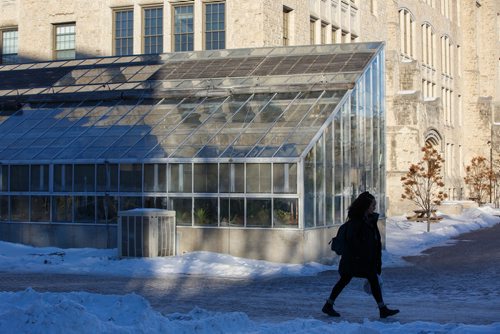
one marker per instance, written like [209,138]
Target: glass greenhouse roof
[226,104]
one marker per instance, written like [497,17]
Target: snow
[30,311]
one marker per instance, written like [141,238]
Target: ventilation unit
[146,233]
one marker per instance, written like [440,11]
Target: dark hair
[360,205]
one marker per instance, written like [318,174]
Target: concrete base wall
[276,245]
[59,235]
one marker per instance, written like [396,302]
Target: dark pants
[345,279]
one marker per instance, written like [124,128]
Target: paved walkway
[457,284]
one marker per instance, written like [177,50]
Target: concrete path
[452,284]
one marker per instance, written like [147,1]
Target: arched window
[407,33]
[428,45]
[433,137]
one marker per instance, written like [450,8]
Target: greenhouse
[258,151]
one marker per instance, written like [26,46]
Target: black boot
[387,312]
[328,309]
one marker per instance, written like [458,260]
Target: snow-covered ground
[79,312]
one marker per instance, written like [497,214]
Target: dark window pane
[19,177]
[258,212]
[63,177]
[285,213]
[130,177]
[107,177]
[40,209]
[183,209]
[232,211]
[205,178]
[62,208]
[205,211]
[107,209]
[84,209]
[39,177]
[155,177]
[4,208]
[84,178]
[20,208]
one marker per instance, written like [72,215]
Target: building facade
[442,56]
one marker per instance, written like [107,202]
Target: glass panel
[285,178]
[10,43]
[63,177]
[205,178]
[236,123]
[258,178]
[258,213]
[155,177]
[179,178]
[309,173]
[205,211]
[84,209]
[39,177]
[62,208]
[153,30]
[107,177]
[183,28]
[130,177]
[232,178]
[215,37]
[4,208]
[124,26]
[130,202]
[107,209]
[213,125]
[285,212]
[20,208]
[320,183]
[329,175]
[84,178]
[183,210]
[338,168]
[4,177]
[19,177]
[232,212]
[65,41]
[156,202]
[259,126]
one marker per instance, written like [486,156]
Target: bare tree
[423,181]
[479,177]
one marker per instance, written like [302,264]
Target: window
[183,28]
[286,26]
[9,43]
[65,41]
[215,26]
[407,33]
[446,96]
[428,45]
[373,7]
[334,35]
[428,89]
[124,31]
[153,30]
[312,31]
[324,25]
[445,8]
[446,55]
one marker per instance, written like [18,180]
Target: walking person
[362,256]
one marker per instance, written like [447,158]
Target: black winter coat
[363,252]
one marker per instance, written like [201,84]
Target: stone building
[442,56]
